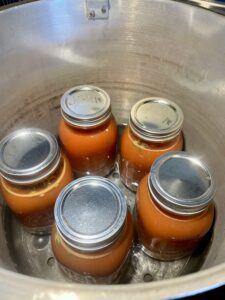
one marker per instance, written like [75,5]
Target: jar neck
[82,126]
[94,251]
[134,136]
[52,176]
[174,214]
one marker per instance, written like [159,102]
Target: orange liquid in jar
[101,263]
[137,156]
[33,204]
[165,235]
[90,151]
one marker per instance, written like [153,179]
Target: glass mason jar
[93,232]
[174,206]
[154,129]
[88,130]
[33,172]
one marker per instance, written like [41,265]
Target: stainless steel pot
[145,48]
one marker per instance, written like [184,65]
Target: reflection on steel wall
[215,6]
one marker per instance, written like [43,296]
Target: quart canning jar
[33,172]
[93,232]
[88,130]
[174,206]
[154,129]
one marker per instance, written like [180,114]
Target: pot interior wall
[146,48]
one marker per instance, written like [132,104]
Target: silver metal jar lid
[156,119]
[181,183]
[85,106]
[90,213]
[28,155]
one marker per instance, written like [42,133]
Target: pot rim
[186,285]
[18,286]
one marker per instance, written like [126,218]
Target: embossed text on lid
[181,183]
[85,106]
[28,155]
[90,212]
[156,119]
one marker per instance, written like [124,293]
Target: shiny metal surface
[85,106]
[90,213]
[49,46]
[33,254]
[156,119]
[28,155]
[214,6]
[180,183]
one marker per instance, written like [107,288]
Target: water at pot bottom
[33,255]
